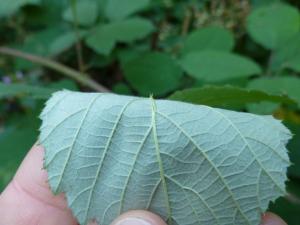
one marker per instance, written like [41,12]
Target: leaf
[8,7]
[217,66]
[105,36]
[65,41]
[213,38]
[19,90]
[87,13]
[190,164]
[64,84]
[122,89]
[49,13]
[272,25]
[288,55]
[227,96]
[120,9]
[38,43]
[280,85]
[153,73]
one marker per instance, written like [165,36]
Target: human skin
[28,200]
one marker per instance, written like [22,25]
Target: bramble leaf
[105,36]
[153,73]
[120,9]
[191,164]
[287,55]
[87,13]
[227,96]
[19,90]
[7,7]
[217,66]
[287,85]
[267,29]
[213,38]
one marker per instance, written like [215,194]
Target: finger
[272,219]
[28,200]
[138,217]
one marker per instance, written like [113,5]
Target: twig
[69,72]
[186,22]
[78,42]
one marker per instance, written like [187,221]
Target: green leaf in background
[64,84]
[153,73]
[272,25]
[65,41]
[105,36]
[214,38]
[288,55]
[16,138]
[87,13]
[48,13]
[38,43]
[8,7]
[278,85]
[21,90]
[120,9]
[190,164]
[226,96]
[122,89]
[214,66]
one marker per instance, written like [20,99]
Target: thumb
[272,219]
[28,200]
[138,217]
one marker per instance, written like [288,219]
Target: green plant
[241,55]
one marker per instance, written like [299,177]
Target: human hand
[27,200]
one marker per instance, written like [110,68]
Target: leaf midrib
[160,164]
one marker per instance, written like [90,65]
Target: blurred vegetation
[236,54]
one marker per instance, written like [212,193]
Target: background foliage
[239,54]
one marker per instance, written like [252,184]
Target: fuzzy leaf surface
[191,164]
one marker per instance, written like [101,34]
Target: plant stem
[78,42]
[67,71]
[186,22]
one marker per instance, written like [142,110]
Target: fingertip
[272,219]
[139,217]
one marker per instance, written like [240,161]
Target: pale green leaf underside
[191,164]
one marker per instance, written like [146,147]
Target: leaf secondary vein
[252,152]
[74,140]
[89,200]
[152,194]
[132,168]
[210,162]
[199,196]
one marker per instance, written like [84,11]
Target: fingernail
[272,219]
[93,223]
[133,221]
